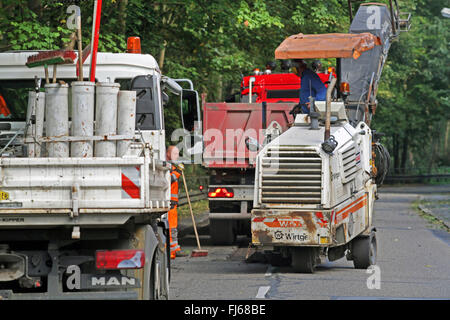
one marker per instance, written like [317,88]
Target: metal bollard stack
[115,114]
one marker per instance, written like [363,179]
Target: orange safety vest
[175,174]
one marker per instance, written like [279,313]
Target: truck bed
[83,185]
[227,125]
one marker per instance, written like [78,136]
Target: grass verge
[420,206]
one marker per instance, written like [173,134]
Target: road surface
[413,261]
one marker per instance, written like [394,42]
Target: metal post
[83,96]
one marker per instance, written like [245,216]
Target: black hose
[382,162]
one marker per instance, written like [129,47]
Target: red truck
[229,131]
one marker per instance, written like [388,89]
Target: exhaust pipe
[328,109]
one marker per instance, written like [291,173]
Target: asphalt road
[413,260]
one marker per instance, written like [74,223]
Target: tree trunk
[396,153]
[35,6]
[123,16]
[404,153]
[162,55]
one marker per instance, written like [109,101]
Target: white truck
[91,226]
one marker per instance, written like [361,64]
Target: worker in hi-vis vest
[175,173]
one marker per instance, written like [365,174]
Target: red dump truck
[230,129]
[227,130]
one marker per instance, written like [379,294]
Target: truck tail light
[220,193]
[133,45]
[120,259]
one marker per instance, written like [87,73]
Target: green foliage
[214,42]
[414,92]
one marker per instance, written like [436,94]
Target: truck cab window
[14,99]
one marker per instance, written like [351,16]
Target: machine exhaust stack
[328,109]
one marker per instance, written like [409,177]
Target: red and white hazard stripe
[131,183]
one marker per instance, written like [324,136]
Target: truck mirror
[252,144]
[172,85]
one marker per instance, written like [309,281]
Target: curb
[429,212]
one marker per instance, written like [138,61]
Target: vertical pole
[190,209]
[264,115]
[350,13]
[95,34]
[328,109]
[80,49]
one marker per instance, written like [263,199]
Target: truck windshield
[14,99]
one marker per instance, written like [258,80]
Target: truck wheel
[364,251]
[303,260]
[159,277]
[222,232]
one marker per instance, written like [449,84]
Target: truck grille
[291,175]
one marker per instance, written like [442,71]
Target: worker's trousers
[173,224]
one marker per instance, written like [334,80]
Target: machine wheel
[159,277]
[303,259]
[222,232]
[364,251]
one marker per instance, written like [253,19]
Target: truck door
[191,118]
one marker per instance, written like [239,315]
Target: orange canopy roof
[329,45]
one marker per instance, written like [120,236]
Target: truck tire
[364,251]
[159,277]
[222,232]
[303,259]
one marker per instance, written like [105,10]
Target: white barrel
[83,99]
[36,108]
[126,118]
[106,117]
[57,118]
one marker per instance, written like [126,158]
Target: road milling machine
[316,183]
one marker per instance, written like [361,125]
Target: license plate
[4,195]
